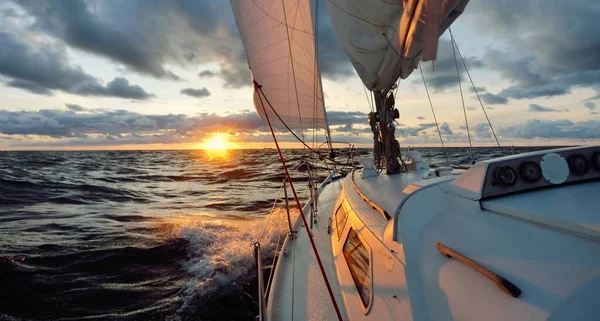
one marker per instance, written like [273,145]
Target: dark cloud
[29,86]
[545,58]
[441,75]
[43,69]
[589,105]
[78,125]
[118,87]
[543,109]
[482,130]
[127,43]
[148,35]
[347,117]
[406,131]
[553,129]
[74,107]
[206,73]
[333,62]
[479,89]
[198,93]
[492,99]
[445,129]
[420,117]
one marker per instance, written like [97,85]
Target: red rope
[310,237]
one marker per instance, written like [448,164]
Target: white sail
[279,41]
[386,39]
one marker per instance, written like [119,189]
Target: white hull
[546,242]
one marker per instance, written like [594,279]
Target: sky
[153,74]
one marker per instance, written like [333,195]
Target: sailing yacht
[511,238]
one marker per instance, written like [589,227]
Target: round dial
[506,176]
[579,164]
[530,172]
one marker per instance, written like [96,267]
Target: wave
[221,264]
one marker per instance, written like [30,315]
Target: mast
[383,119]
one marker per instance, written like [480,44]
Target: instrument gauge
[530,172]
[505,176]
[579,164]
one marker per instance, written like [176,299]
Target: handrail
[366,199]
[502,283]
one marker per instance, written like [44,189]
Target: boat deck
[298,289]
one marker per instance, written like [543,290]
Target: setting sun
[216,142]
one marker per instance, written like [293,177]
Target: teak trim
[502,283]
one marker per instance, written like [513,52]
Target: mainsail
[279,41]
[386,39]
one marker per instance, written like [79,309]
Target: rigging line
[434,117]
[316,79]
[462,99]
[271,213]
[291,131]
[287,30]
[306,228]
[474,89]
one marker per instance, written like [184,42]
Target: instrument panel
[541,170]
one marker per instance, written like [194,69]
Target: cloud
[482,130]
[405,131]
[198,93]
[77,125]
[109,35]
[206,73]
[346,117]
[74,107]
[479,89]
[543,58]
[77,121]
[445,129]
[589,105]
[420,117]
[441,75]
[492,99]
[45,68]
[539,108]
[163,33]
[553,129]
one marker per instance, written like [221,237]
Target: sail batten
[279,40]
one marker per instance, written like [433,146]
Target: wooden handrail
[502,283]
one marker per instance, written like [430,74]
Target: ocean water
[145,235]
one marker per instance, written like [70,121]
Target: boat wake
[220,263]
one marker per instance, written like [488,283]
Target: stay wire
[292,132]
[272,211]
[434,117]
[462,97]
[474,88]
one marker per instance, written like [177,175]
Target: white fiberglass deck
[299,292]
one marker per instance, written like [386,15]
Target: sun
[216,142]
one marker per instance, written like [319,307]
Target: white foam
[221,250]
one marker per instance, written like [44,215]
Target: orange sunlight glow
[216,142]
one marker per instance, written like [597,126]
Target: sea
[149,235]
